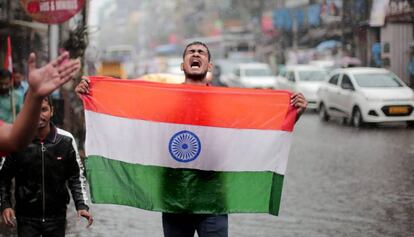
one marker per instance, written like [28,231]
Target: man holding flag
[181,217]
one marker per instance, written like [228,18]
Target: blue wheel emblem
[184,146]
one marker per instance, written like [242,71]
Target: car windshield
[377,80]
[312,75]
[257,72]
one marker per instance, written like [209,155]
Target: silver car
[305,79]
[252,75]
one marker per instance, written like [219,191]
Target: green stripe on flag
[182,190]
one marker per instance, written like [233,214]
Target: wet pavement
[340,181]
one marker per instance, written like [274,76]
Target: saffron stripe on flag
[195,105]
[162,189]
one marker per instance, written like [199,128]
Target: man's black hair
[197,43]
[4,73]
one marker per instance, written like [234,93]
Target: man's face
[196,63]
[4,85]
[45,114]
[18,78]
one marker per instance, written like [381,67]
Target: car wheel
[410,124]
[344,121]
[323,114]
[357,120]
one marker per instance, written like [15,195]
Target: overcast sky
[93,10]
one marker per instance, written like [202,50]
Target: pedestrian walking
[43,172]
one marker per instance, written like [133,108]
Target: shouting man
[196,64]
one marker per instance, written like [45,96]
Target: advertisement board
[52,11]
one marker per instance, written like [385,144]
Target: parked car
[327,64]
[251,75]
[303,78]
[366,95]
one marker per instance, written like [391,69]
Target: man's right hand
[9,217]
[45,80]
[83,87]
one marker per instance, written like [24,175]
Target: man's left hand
[299,101]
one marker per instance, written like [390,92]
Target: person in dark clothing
[43,172]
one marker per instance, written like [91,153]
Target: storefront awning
[30,24]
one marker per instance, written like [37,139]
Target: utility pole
[53,31]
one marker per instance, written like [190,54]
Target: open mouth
[195,64]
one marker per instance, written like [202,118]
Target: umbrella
[328,44]
[168,49]
[350,61]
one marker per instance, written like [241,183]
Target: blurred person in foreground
[10,100]
[42,81]
[19,81]
[196,65]
[43,172]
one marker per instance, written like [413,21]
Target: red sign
[52,11]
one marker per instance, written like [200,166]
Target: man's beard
[195,76]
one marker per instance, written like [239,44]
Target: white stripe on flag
[222,149]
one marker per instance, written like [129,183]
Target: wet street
[340,181]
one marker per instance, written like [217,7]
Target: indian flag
[8,63]
[185,148]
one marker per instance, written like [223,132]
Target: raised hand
[50,77]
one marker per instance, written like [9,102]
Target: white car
[366,95]
[305,79]
[251,75]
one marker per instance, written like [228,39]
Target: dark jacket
[43,172]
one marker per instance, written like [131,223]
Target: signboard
[378,13]
[398,8]
[296,3]
[52,11]
[401,11]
